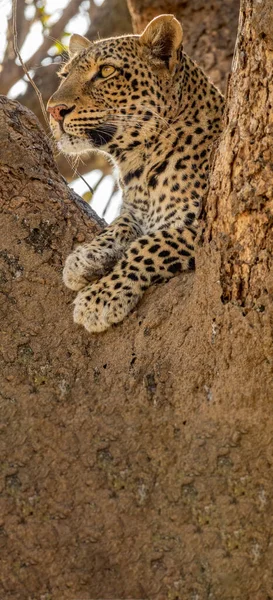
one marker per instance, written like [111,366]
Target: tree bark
[240,205]
[138,463]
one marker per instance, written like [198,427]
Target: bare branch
[23,26]
[11,72]
[24,67]
[36,89]
[54,33]
[109,19]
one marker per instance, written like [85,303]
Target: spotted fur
[145,103]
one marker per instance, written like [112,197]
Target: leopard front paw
[85,264]
[100,305]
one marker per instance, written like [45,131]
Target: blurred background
[43,30]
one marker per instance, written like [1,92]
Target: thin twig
[114,191]
[37,91]
[17,52]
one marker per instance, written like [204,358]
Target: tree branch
[11,72]
[110,19]
[55,33]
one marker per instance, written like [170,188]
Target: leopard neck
[190,87]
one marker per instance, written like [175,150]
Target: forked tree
[138,463]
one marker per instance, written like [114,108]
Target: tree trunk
[138,463]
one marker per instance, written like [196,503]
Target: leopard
[153,112]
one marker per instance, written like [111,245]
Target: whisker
[139,117]
[56,41]
[147,126]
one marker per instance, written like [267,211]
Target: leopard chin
[96,138]
[69,144]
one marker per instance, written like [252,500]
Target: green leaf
[87,196]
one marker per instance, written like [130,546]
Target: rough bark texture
[138,463]
[240,207]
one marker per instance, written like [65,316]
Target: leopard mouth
[93,138]
[101,135]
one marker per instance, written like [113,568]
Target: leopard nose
[58,112]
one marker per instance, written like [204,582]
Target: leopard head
[115,93]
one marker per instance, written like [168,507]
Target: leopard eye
[107,70]
[63,74]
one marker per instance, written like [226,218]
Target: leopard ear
[77,43]
[161,40]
